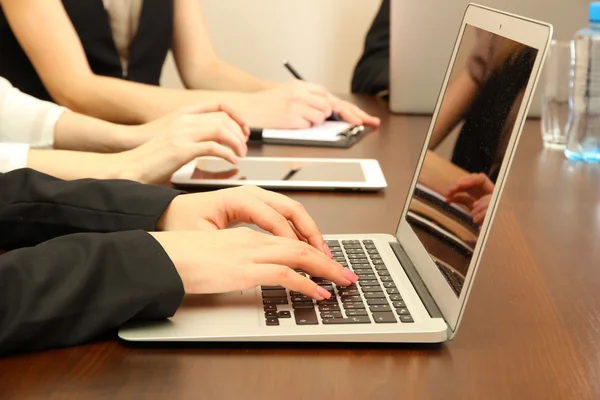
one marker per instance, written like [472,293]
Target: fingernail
[327,251]
[351,276]
[323,293]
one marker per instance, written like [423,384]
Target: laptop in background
[422,33]
[414,285]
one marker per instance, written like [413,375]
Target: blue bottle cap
[595,11]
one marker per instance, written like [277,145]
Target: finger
[233,131]
[280,275]
[299,255]
[312,115]
[476,184]
[364,117]
[237,119]
[349,115]
[478,216]
[211,149]
[462,198]
[294,212]
[298,234]
[251,209]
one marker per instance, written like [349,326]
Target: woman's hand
[173,141]
[298,105]
[240,259]
[220,209]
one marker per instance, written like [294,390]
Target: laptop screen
[467,147]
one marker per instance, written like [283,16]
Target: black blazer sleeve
[372,73]
[74,288]
[35,207]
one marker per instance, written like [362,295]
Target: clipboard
[329,134]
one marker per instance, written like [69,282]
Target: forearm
[74,131]
[35,207]
[71,165]
[125,102]
[70,290]
[219,75]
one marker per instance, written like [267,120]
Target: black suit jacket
[79,262]
[372,73]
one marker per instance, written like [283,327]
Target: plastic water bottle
[583,131]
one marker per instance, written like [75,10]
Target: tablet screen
[279,170]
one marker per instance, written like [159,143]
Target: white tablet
[283,173]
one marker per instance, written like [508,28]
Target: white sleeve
[25,119]
[13,156]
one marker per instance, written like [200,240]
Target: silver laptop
[418,55]
[413,285]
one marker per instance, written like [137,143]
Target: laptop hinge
[417,282]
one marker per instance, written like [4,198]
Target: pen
[334,116]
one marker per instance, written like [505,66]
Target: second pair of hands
[211,257]
[163,146]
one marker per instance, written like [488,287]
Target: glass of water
[555,95]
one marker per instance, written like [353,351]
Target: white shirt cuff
[13,156]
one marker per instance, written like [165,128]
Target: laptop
[413,286]
[418,56]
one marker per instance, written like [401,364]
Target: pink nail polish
[327,251]
[351,276]
[322,292]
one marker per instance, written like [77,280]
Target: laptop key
[384,318]
[374,302]
[367,277]
[332,242]
[329,307]
[275,301]
[373,295]
[272,288]
[375,257]
[272,321]
[377,261]
[380,267]
[368,282]
[380,308]
[331,314]
[355,251]
[367,241]
[364,272]
[348,292]
[395,297]
[271,314]
[383,273]
[406,318]
[399,304]
[351,299]
[392,291]
[386,279]
[349,320]
[270,308]
[274,293]
[298,306]
[306,317]
[339,259]
[284,314]
[389,285]
[371,288]
[357,312]
[402,311]
[354,306]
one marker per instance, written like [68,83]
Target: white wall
[322,39]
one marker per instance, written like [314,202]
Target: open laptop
[413,285]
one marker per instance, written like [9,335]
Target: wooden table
[531,330]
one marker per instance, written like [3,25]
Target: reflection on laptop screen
[467,148]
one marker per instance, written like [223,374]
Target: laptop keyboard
[373,299]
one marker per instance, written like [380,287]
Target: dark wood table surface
[531,329]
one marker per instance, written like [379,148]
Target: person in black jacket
[372,73]
[83,257]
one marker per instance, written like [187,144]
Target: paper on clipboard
[329,131]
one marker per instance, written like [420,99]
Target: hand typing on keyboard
[239,259]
